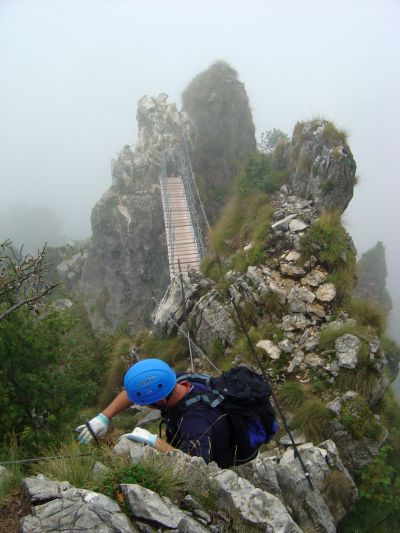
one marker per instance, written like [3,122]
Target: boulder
[170,311]
[347,347]
[326,292]
[61,507]
[309,507]
[255,507]
[212,319]
[270,349]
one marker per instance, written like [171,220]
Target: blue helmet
[149,381]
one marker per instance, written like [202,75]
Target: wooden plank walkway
[184,247]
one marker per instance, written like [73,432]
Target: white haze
[72,73]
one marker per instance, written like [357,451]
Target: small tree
[22,278]
[269,139]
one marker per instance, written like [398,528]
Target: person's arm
[163,446]
[98,426]
[119,404]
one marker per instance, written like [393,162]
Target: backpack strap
[199,378]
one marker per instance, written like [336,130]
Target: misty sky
[71,74]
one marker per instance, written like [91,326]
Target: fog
[72,73]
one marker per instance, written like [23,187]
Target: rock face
[126,262]
[62,507]
[255,496]
[372,274]
[321,164]
[218,104]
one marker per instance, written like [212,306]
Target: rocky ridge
[297,297]
[268,494]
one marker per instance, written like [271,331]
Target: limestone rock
[126,261]
[293,322]
[298,437]
[326,292]
[323,167]
[283,224]
[261,472]
[255,507]
[296,361]
[69,509]
[170,311]
[309,507]
[292,270]
[313,360]
[347,347]
[212,320]
[296,225]
[314,278]
[270,348]
[286,346]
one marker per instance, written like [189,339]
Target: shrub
[328,239]
[313,419]
[259,175]
[44,364]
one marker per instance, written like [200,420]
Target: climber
[199,430]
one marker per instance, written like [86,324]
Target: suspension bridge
[183,211]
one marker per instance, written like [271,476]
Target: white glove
[99,425]
[143,436]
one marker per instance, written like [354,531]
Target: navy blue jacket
[202,431]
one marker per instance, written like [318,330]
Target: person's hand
[99,425]
[142,435]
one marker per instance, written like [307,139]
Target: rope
[39,459]
[194,345]
[186,315]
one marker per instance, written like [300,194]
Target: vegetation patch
[363,379]
[244,220]
[313,419]
[368,314]
[358,419]
[292,394]
[259,174]
[329,335]
[337,489]
[330,243]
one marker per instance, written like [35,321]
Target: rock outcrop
[126,265]
[295,295]
[322,167]
[267,494]
[372,274]
[218,104]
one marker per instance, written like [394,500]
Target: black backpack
[244,397]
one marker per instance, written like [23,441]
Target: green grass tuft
[292,394]
[367,314]
[313,419]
